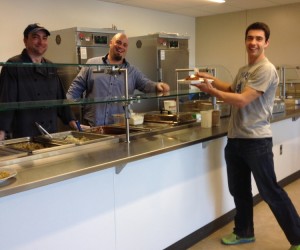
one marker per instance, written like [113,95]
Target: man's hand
[162,87]
[73,125]
[204,75]
[206,86]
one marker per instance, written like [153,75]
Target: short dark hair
[259,26]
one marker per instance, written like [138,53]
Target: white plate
[193,82]
[11,172]
[184,81]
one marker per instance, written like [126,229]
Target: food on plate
[4,174]
[192,77]
[196,79]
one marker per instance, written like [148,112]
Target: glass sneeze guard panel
[71,70]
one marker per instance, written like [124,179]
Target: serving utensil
[78,126]
[42,130]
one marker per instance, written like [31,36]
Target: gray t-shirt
[253,121]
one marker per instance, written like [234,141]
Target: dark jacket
[33,83]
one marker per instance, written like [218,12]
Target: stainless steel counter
[38,170]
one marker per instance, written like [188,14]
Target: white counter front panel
[73,214]
[162,199]
[151,204]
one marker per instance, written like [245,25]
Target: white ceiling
[196,8]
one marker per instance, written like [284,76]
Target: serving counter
[163,186]
[42,169]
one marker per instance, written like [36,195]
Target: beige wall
[220,38]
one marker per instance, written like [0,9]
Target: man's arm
[239,100]
[217,83]
[222,91]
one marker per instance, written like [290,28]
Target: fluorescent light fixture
[217,1]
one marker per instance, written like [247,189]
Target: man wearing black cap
[36,41]
[21,83]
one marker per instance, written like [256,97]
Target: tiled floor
[268,233]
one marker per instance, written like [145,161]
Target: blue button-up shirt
[101,86]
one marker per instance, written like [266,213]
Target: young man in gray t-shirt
[249,146]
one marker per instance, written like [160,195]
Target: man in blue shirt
[89,84]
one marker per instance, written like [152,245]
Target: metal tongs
[42,130]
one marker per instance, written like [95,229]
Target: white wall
[59,14]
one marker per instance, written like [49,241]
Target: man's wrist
[2,135]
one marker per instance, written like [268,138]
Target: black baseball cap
[33,28]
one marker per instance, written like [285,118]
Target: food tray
[33,145]
[77,138]
[174,119]
[200,105]
[114,130]
[9,153]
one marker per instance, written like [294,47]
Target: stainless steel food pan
[33,145]
[77,138]
[9,153]
[174,119]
